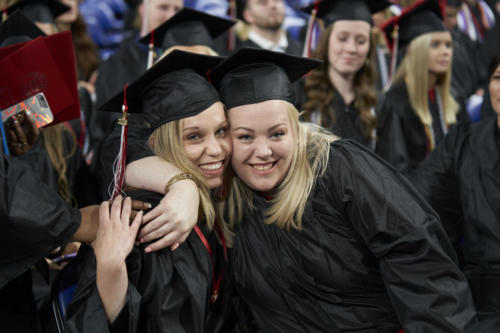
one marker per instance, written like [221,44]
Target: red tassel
[4,14]
[207,74]
[121,159]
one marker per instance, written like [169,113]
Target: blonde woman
[186,290]
[418,108]
[327,237]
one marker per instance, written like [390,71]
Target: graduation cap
[358,10]
[18,28]
[174,88]
[48,78]
[39,10]
[334,10]
[187,27]
[43,65]
[424,16]
[256,75]
[454,3]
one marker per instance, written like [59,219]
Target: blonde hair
[53,140]
[309,161]
[200,49]
[414,71]
[168,145]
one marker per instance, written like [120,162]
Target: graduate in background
[418,108]
[340,95]
[265,27]
[183,290]
[460,179]
[129,61]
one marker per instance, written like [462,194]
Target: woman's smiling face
[263,143]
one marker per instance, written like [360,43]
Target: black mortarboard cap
[174,88]
[240,7]
[454,3]
[421,18]
[256,75]
[18,28]
[334,10]
[39,10]
[188,27]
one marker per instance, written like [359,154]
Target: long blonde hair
[53,140]
[414,71]
[309,161]
[168,145]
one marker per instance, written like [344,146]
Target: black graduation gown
[372,257]
[466,77]
[33,221]
[461,179]
[346,123]
[81,184]
[401,137]
[169,291]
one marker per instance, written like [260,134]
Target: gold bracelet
[176,178]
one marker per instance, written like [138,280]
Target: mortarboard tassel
[394,57]
[310,31]
[121,159]
[151,50]
[231,35]
[4,14]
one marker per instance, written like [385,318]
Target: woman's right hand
[114,241]
[115,235]
[22,132]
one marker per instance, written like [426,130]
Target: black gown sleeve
[86,313]
[427,289]
[391,142]
[33,219]
[436,180]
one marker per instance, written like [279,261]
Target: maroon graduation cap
[45,64]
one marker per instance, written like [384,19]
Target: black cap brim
[257,75]
[423,17]
[359,10]
[214,25]
[18,26]
[176,60]
[32,9]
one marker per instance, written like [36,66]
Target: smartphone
[36,106]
